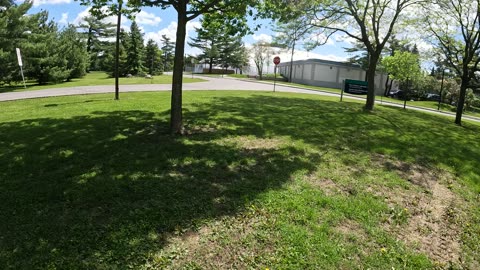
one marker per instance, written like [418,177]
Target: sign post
[20,63]
[276,61]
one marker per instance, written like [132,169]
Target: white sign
[19,57]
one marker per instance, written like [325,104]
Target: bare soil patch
[431,213]
[229,243]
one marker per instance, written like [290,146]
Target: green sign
[355,87]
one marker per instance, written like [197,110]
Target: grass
[433,105]
[261,180]
[97,78]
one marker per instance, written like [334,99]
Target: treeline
[53,55]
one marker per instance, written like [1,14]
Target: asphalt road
[212,83]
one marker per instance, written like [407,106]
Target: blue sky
[154,22]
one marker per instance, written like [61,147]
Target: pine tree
[152,58]
[218,45]
[95,30]
[135,50]
[13,34]
[75,52]
[44,59]
[168,50]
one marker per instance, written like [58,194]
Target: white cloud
[110,19]
[262,37]
[145,18]
[37,3]
[64,19]
[171,32]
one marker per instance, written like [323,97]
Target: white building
[326,73]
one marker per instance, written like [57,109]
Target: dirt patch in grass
[425,218]
[227,243]
[252,143]
[328,186]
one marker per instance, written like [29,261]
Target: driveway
[212,83]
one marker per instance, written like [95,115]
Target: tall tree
[219,44]
[44,59]
[233,12]
[95,29]
[455,24]
[152,58]
[168,50]
[14,27]
[260,50]
[75,52]
[135,50]
[403,66]
[289,34]
[370,22]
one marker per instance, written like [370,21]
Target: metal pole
[441,90]
[275,79]
[405,95]
[343,89]
[23,78]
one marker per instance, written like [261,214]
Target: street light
[441,89]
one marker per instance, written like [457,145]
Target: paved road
[212,83]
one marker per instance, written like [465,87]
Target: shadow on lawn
[104,190]
[405,134]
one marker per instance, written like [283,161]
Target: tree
[168,50]
[152,58]
[402,66]
[74,51]
[233,13]
[208,36]
[455,24]
[260,51]
[289,34]
[14,27]
[135,50]
[219,44]
[369,22]
[95,30]
[44,59]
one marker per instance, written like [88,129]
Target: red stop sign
[276,60]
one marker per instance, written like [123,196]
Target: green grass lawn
[260,180]
[97,78]
[422,104]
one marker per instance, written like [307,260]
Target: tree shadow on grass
[104,191]
[405,134]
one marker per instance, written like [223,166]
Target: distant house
[326,73]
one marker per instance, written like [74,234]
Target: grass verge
[97,78]
[283,181]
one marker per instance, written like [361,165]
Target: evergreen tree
[135,50]
[14,26]
[168,50]
[95,30]
[44,59]
[108,63]
[219,45]
[152,58]
[75,52]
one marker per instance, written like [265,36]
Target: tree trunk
[210,64]
[461,100]
[117,49]
[291,63]
[385,93]
[176,126]
[371,81]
